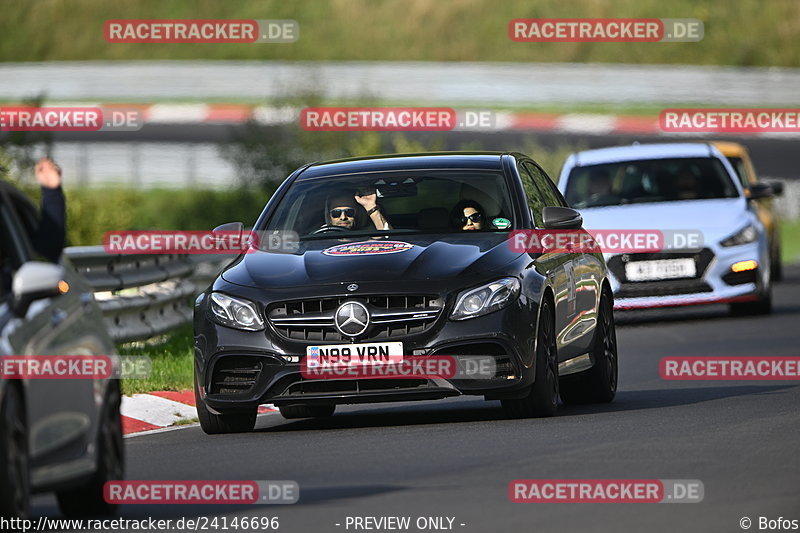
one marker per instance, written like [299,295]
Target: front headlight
[743,236]
[235,312]
[485,299]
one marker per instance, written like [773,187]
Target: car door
[584,278]
[61,413]
[556,266]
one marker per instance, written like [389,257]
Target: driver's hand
[368,201]
[48,174]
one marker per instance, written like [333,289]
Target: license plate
[346,355]
[661,269]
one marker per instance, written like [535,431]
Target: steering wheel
[329,227]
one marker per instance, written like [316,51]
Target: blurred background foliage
[740,32]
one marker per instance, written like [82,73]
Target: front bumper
[714,283]
[239,370]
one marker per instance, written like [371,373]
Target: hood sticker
[368,248]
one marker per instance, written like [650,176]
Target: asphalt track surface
[456,457]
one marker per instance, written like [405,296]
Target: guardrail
[141,295]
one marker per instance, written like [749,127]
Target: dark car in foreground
[408,253]
[56,435]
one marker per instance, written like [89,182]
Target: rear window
[648,181]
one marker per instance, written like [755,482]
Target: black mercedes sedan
[375,261]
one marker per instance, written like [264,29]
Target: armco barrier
[141,295]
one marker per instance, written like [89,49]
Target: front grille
[390,316]
[662,288]
[235,374]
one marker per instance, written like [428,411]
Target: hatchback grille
[390,316]
[662,288]
[666,287]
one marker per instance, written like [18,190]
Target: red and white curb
[164,409]
[582,123]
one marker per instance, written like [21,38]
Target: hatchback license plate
[661,269]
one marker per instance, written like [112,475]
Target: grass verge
[790,242]
[171,357]
[405,30]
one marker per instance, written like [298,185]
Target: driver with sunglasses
[468,215]
[342,209]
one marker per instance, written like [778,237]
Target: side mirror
[760,190]
[35,281]
[561,218]
[227,232]
[776,186]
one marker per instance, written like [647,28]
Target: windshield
[451,201]
[654,180]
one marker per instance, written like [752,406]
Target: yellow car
[739,158]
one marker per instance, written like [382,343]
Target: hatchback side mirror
[35,281]
[760,190]
[776,186]
[561,218]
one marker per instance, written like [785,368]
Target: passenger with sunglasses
[343,210]
[468,215]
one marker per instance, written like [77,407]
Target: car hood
[716,219]
[428,257]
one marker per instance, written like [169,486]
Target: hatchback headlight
[235,312]
[743,236]
[485,299]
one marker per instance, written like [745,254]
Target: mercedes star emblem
[352,287]
[351,319]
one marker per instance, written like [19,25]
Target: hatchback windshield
[451,201]
[654,180]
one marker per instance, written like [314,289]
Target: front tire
[599,383]
[14,469]
[213,424]
[88,499]
[542,398]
